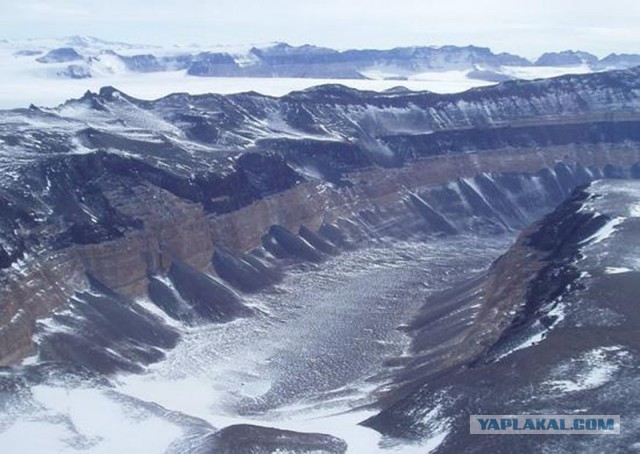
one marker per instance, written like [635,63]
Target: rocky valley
[328,270]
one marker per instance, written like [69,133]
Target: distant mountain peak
[567,58]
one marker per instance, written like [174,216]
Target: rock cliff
[111,196]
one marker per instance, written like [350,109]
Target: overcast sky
[527,27]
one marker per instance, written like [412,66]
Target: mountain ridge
[107,173]
[305,61]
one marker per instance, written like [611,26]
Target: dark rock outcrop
[434,220]
[550,329]
[283,60]
[249,439]
[61,55]
[317,241]
[246,273]
[208,297]
[153,183]
[169,300]
[105,332]
[284,244]
[567,58]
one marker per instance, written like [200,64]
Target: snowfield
[20,89]
[25,81]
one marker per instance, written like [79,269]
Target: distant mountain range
[85,57]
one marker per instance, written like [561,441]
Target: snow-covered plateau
[47,72]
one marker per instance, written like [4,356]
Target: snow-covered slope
[49,71]
[565,300]
[176,272]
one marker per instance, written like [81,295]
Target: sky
[525,27]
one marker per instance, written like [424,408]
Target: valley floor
[309,361]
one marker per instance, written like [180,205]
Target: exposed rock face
[166,297]
[244,272]
[248,439]
[94,57]
[283,60]
[104,333]
[567,58]
[550,329]
[186,187]
[621,60]
[27,53]
[75,72]
[61,55]
[209,297]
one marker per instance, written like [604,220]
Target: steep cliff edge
[550,329]
[124,194]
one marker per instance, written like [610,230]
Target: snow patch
[543,72]
[559,314]
[594,369]
[617,270]
[88,419]
[605,232]
[439,429]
